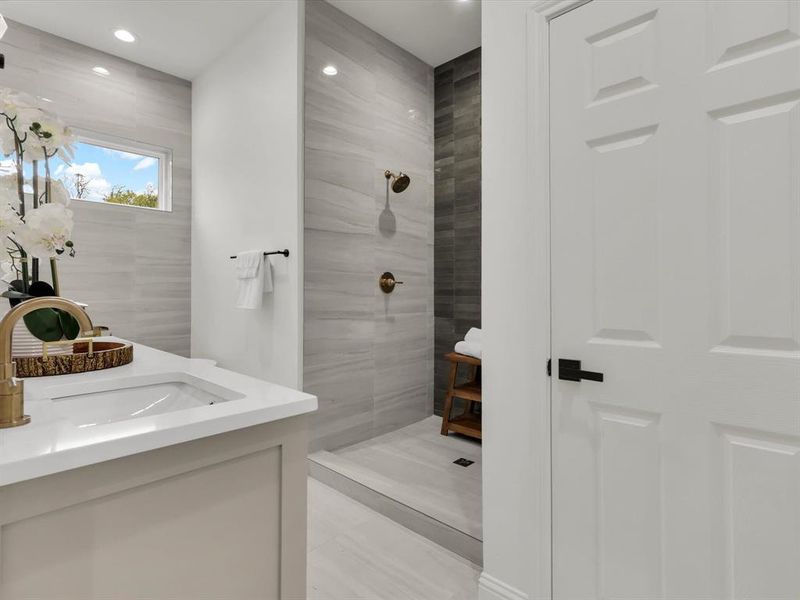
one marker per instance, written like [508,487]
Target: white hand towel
[474,335]
[250,279]
[469,348]
[267,269]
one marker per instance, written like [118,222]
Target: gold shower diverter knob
[387,282]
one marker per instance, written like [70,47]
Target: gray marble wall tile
[368,356]
[457,243]
[133,265]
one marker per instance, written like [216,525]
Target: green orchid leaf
[11,293]
[44,324]
[69,325]
[17,286]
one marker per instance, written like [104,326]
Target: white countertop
[52,444]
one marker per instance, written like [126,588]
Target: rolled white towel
[474,335]
[469,348]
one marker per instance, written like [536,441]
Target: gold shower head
[400,183]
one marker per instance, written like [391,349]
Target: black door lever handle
[570,370]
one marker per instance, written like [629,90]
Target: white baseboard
[491,588]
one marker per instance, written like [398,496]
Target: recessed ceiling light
[101,71]
[43,99]
[124,35]
[330,70]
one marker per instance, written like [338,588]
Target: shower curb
[444,535]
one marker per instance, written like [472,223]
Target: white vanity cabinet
[192,504]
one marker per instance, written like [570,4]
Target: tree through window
[112,171]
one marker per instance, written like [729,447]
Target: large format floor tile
[357,554]
[414,466]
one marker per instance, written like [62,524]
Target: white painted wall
[516,527]
[247,190]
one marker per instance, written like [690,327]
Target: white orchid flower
[7,146]
[59,193]
[8,270]
[49,136]
[39,131]
[46,231]
[25,117]
[9,220]
[8,185]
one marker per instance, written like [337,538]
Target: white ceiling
[175,36]
[183,36]
[433,30]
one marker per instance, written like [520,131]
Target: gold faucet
[12,390]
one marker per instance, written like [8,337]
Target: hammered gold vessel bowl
[103,355]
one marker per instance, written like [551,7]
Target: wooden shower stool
[467,423]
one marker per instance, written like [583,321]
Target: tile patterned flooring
[414,466]
[357,554]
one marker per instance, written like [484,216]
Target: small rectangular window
[116,171]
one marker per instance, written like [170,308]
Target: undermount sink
[135,398]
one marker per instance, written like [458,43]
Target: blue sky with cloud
[107,168]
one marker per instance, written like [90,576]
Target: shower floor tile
[415,466]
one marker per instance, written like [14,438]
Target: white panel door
[675,181]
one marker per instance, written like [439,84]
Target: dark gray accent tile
[457,209]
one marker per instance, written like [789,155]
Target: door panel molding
[674,271]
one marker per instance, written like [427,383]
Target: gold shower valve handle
[387,282]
